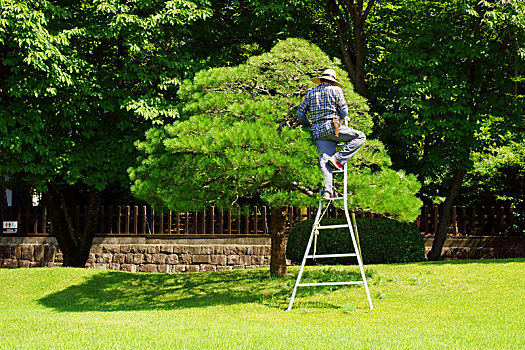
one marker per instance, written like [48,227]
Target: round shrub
[382,240]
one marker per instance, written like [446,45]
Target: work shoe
[335,163]
[327,195]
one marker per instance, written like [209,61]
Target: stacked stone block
[144,257]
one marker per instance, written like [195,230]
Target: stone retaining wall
[479,247]
[137,254]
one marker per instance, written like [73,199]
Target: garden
[162,136]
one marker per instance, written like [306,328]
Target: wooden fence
[485,221]
[142,220]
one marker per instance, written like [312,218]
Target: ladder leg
[352,235]
[359,260]
[307,251]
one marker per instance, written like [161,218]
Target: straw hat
[329,75]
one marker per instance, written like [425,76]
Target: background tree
[239,29]
[79,83]
[497,178]
[226,150]
[445,84]
[351,17]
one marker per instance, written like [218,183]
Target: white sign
[10,226]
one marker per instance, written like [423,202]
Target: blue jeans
[326,145]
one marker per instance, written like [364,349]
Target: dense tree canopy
[497,178]
[79,83]
[444,85]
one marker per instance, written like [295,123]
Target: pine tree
[238,141]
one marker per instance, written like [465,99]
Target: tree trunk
[444,219]
[354,58]
[278,241]
[74,241]
[360,58]
[354,61]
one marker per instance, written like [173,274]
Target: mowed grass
[447,305]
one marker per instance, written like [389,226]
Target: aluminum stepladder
[313,239]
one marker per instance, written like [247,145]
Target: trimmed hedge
[382,240]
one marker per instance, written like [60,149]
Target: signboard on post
[10,226]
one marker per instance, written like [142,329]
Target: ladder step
[328,284]
[327,227]
[331,255]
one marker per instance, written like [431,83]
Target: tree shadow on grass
[122,291]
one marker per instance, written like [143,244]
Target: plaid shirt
[324,102]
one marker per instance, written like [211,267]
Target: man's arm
[301,112]
[342,107]
[302,118]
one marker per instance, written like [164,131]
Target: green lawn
[454,305]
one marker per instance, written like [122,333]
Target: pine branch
[302,189]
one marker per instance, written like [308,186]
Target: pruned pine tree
[238,142]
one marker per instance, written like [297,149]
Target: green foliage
[498,179]
[81,81]
[445,85]
[226,148]
[381,240]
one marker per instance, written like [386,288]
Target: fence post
[195,221]
[511,219]
[454,220]
[212,220]
[464,220]
[255,220]
[128,214]
[501,220]
[229,221]
[265,220]
[136,219]
[291,210]
[144,219]
[110,219]
[35,220]
[483,219]
[204,221]
[493,219]
[26,228]
[435,214]
[221,221]
[238,223]
[119,218]
[474,222]
[246,224]
[161,222]
[425,221]
[169,222]
[151,228]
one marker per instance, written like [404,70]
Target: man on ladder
[326,105]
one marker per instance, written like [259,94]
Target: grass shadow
[123,291]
